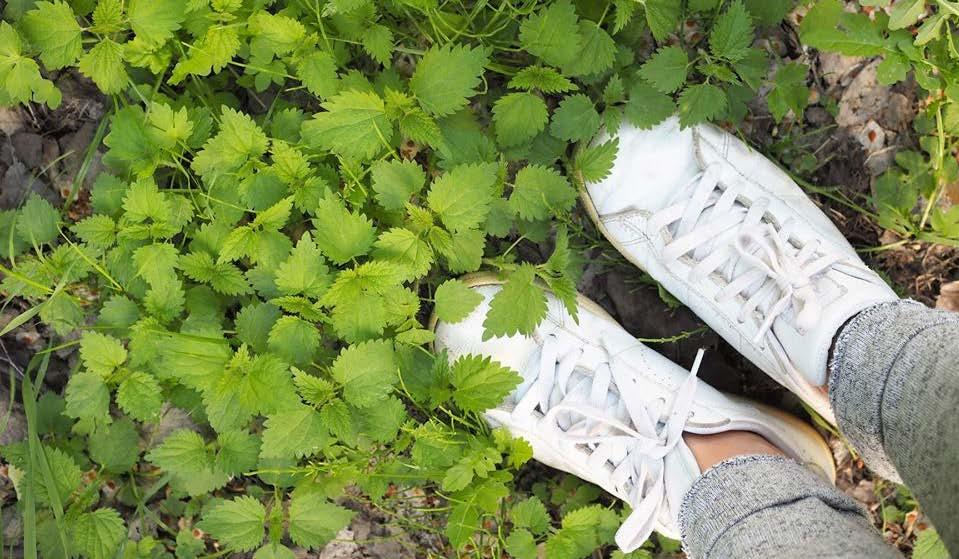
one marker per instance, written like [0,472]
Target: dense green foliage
[293,187]
[916,41]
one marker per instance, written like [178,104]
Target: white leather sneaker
[596,403]
[734,238]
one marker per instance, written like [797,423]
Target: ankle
[710,450]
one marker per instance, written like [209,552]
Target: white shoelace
[756,259]
[623,430]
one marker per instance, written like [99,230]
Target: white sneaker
[734,238]
[596,403]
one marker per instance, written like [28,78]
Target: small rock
[171,419]
[872,137]
[878,145]
[342,547]
[12,523]
[948,298]
[864,492]
[51,151]
[818,116]
[13,186]
[838,69]
[11,120]
[6,154]
[74,147]
[29,148]
[866,99]
[17,184]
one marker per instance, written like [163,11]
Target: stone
[838,69]
[948,298]
[343,546]
[29,148]
[11,521]
[11,120]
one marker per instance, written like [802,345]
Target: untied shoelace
[576,409]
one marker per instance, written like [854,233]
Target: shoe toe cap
[466,337]
[650,166]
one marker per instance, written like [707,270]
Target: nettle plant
[916,40]
[293,187]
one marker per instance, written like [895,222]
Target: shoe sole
[480,279]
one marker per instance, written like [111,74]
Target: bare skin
[710,450]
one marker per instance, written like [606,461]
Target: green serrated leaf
[516,308]
[519,117]
[700,103]
[366,371]
[395,181]
[648,107]
[455,301]
[552,34]
[595,162]
[155,20]
[52,27]
[354,125]
[666,69]
[481,384]
[238,524]
[314,521]
[99,533]
[463,195]
[104,65]
[340,233]
[575,119]
[294,433]
[445,77]
[539,192]
[732,33]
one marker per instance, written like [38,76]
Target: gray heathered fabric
[895,388]
[894,385]
[768,506]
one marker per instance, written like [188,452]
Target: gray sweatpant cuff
[856,391]
[861,386]
[730,492]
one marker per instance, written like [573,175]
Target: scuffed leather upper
[656,377]
[652,165]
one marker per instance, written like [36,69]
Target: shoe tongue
[578,391]
[726,240]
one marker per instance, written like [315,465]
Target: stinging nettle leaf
[52,27]
[366,371]
[314,521]
[732,33]
[445,77]
[156,20]
[519,117]
[594,163]
[354,124]
[575,119]
[666,69]
[553,34]
[340,233]
[238,524]
[455,300]
[518,307]
[396,181]
[463,195]
[480,383]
